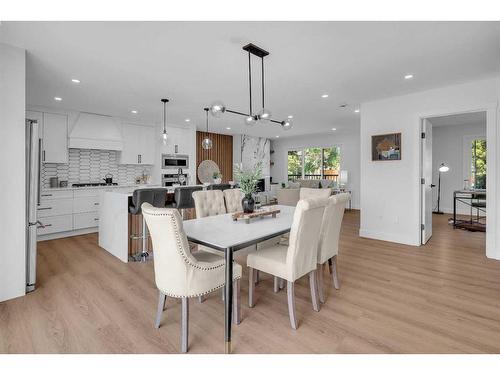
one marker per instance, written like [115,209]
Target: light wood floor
[441,298]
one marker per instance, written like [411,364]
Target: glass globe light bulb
[287,124]
[164,137]
[206,144]
[250,120]
[264,114]
[217,109]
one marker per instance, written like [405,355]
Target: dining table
[228,236]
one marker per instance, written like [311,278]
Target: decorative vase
[248,204]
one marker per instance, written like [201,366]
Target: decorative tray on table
[261,212]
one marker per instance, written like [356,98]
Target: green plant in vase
[217,177]
[247,181]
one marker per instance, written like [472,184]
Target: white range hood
[96,132]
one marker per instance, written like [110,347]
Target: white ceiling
[471,118]
[131,65]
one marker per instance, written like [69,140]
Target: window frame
[303,153]
[467,156]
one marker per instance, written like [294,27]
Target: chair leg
[291,303]
[314,291]
[201,299]
[184,325]
[330,266]
[321,292]
[282,283]
[236,302]
[276,287]
[335,276]
[161,306]
[251,287]
[257,276]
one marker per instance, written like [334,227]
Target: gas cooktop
[85,184]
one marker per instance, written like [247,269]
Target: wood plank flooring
[441,298]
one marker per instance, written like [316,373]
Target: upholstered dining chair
[233,198]
[306,193]
[291,262]
[209,203]
[180,273]
[328,246]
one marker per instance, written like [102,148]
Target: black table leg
[454,210]
[228,300]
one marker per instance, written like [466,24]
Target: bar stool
[183,198]
[157,197]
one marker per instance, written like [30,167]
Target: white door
[426,181]
[55,138]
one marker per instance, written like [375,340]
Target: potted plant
[217,177]
[247,181]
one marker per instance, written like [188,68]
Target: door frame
[421,172]
[492,190]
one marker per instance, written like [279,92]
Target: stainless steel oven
[175,161]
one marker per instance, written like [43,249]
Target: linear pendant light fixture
[218,108]
[164,133]
[207,142]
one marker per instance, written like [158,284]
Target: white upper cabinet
[138,144]
[55,138]
[53,130]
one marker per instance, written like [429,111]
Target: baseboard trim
[71,233]
[389,237]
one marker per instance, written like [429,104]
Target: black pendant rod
[246,115]
[250,81]
[262,62]
[206,110]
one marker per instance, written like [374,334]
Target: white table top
[221,232]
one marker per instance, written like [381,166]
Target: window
[478,164]
[314,163]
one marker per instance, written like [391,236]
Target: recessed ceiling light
[134,111]
[277,136]
[334,129]
[57,98]
[74,80]
[228,128]
[187,120]
[409,76]
[356,111]
[290,116]
[324,96]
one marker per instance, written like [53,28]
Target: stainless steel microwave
[175,161]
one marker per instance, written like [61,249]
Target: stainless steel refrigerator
[33,151]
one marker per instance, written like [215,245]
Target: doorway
[453,159]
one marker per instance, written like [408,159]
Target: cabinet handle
[43,155]
[44,226]
[140,159]
[44,208]
[96,204]
[46,195]
[96,219]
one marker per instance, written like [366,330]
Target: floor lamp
[443,168]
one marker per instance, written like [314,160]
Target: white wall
[390,193]
[350,151]
[448,147]
[12,172]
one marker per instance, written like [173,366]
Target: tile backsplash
[91,166]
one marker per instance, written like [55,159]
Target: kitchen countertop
[100,187]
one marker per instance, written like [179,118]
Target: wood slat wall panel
[221,153]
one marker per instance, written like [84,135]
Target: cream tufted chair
[291,262]
[180,273]
[306,193]
[233,199]
[209,203]
[328,246]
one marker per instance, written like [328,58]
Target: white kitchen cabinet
[55,207]
[138,144]
[85,204]
[55,224]
[85,220]
[54,138]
